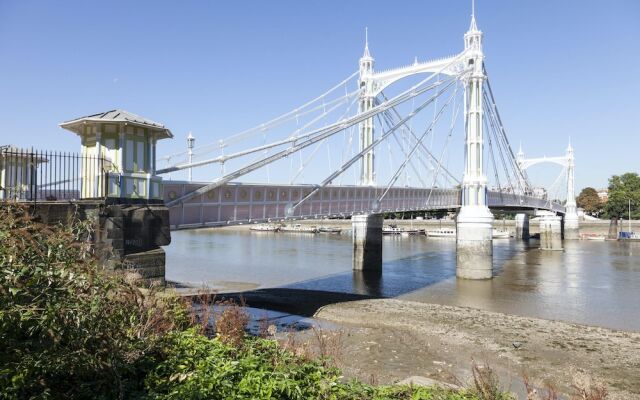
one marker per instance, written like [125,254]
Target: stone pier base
[522,226]
[571,227]
[125,236]
[367,242]
[550,232]
[474,243]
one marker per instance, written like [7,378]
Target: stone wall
[126,237]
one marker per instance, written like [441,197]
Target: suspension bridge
[389,149]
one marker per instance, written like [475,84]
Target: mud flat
[387,340]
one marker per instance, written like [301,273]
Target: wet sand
[392,339]
[388,340]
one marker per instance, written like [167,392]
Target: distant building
[18,169]
[603,194]
[540,192]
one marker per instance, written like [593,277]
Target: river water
[590,282]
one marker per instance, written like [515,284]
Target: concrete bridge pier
[550,232]
[367,242]
[474,243]
[571,227]
[522,226]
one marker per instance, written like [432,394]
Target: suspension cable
[435,120]
[358,156]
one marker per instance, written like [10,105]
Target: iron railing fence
[35,175]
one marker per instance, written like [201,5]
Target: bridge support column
[550,232]
[367,242]
[474,243]
[522,226]
[571,227]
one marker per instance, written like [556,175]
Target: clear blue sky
[558,68]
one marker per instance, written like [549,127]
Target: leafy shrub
[195,366]
[68,328]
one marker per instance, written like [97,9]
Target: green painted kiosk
[125,145]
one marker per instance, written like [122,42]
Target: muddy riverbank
[390,339]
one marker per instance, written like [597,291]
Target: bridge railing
[510,200]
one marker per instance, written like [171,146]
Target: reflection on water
[589,282]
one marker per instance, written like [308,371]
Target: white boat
[442,232]
[396,230]
[298,228]
[329,229]
[391,230]
[501,234]
[265,228]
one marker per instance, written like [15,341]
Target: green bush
[196,367]
[68,328]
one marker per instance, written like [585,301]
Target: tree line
[622,189]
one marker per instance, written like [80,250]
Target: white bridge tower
[367,96]
[571,223]
[474,221]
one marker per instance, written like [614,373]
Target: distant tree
[589,201]
[622,189]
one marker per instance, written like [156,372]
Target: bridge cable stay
[222,159]
[304,164]
[288,116]
[413,91]
[317,136]
[554,190]
[424,148]
[221,144]
[389,122]
[433,160]
[492,158]
[492,131]
[494,110]
[415,170]
[503,143]
[295,135]
[418,143]
[377,141]
[427,131]
[454,119]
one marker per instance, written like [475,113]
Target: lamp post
[190,142]
[629,215]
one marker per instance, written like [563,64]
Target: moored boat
[329,229]
[298,228]
[442,232]
[265,228]
[501,234]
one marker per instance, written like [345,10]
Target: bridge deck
[236,203]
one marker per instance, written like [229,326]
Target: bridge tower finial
[367,173]
[473,27]
[366,42]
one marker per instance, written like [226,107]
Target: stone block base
[146,267]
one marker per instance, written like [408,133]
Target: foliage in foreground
[194,366]
[69,329]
